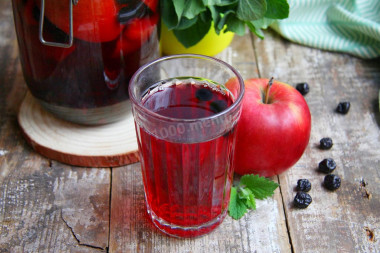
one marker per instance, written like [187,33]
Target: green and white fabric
[350,26]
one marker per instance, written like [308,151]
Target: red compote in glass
[186,108]
[187,184]
[87,81]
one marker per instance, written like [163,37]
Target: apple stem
[267,91]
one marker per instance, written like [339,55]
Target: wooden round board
[108,145]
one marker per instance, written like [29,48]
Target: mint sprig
[243,195]
[190,20]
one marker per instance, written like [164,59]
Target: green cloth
[350,26]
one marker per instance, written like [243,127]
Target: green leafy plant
[190,20]
[243,195]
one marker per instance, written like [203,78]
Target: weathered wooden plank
[132,231]
[44,206]
[263,230]
[47,206]
[335,221]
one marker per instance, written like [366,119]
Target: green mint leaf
[193,34]
[261,187]
[214,15]
[251,202]
[168,14]
[235,25]
[237,207]
[191,19]
[243,193]
[193,8]
[179,7]
[257,25]
[221,22]
[247,196]
[277,9]
[243,196]
[256,30]
[262,23]
[251,9]
[219,2]
[186,23]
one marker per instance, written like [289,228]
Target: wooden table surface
[46,206]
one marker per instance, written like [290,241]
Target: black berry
[332,182]
[303,185]
[327,166]
[203,94]
[218,106]
[302,200]
[303,88]
[343,107]
[326,143]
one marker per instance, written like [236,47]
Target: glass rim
[139,105]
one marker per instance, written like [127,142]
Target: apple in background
[273,130]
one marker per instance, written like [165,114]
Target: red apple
[272,135]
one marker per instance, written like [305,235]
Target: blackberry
[343,107]
[203,94]
[325,143]
[327,166]
[303,88]
[302,200]
[218,106]
[303,185]
[332,182]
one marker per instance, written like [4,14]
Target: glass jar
[77,56]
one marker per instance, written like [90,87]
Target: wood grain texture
[44,206]
[335,221]
[54,208]
[263,230]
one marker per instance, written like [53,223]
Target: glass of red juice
[185,120]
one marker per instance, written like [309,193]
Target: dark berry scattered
[218,106]
[302,200]
[303,185]
[343,107]
[326,143]
[203,94]
[332,182]
[327,166]
[303,88]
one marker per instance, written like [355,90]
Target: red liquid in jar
[187,184]
[107,49]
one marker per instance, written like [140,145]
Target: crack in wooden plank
[76,238]
[110,214]
[278,178]
[286,216]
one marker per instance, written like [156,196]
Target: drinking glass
[186,108]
